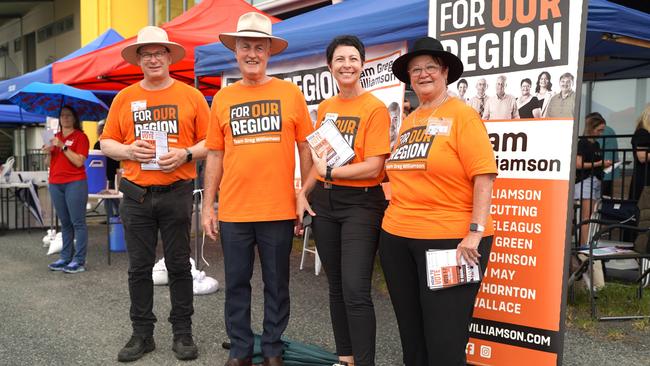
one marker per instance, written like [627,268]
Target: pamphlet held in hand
[443,270]
[47,136]
[158,139]
[328,143]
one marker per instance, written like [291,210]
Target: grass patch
[615,299]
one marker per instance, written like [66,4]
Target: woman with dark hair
[68,188]
[543,91]
[440,201]
[529,106]
[347,203]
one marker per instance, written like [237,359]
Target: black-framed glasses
[158,55]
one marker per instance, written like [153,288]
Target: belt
[167,188]
[334,187]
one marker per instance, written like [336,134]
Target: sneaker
[184,347]
[135,348]
[74,267]
[58,265]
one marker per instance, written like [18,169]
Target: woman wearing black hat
[441,175]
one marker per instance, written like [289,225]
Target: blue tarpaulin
[374,22]
[605,59]
[44,74]
[11,114]
[383,21]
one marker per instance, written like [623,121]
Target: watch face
[473,227]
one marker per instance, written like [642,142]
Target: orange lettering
[496,13]
[532,11]
[549,6]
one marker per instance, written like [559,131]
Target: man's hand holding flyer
[158,139]
[329,144]
[443,270]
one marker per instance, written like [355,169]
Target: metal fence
[616,186]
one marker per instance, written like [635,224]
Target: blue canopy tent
[617,42]
[44,74]
[11,114]
[382,21]
[374,22]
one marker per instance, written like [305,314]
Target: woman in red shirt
[68,187]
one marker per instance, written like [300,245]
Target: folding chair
[604,250]
[306,223]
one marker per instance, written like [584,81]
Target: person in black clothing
[641,145]
[589,170]
[529,106]
[112,206]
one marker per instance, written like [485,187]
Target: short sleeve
[215,137]
[303,120]
[641,138]
[202,117]
[112,129]
[82,145]
[377,139]
[474,147]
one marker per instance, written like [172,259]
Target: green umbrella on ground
[295,353]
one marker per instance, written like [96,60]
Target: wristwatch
[65,148]
[328,174]
[189,155]
[476,228]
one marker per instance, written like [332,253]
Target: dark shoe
[58,265]
[239,362]
[184,347]
[273,361]
[135,348]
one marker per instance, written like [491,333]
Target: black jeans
[433,325]
[274,240]
[346,231]
[170,213]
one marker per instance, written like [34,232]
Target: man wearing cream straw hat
[157,128]
[254,125]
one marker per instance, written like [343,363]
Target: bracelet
[328,174]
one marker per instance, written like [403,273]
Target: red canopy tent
[106,70]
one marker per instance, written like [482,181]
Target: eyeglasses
[429,69]
[158,55]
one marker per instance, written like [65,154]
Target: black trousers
[346,229]
[433,325]
[170,213]
[274,240]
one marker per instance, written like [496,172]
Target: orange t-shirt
[431,175]
[180,110]
[364,122]
[257,127]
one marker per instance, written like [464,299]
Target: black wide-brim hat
[433,47]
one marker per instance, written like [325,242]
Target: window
[18,44]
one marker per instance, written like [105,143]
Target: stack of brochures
[444,271]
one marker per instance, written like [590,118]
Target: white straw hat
[152,35]
[254,25]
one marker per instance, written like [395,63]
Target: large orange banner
[521,61]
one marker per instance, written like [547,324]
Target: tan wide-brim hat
[152,35]
[254,25]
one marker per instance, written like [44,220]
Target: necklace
[417,118]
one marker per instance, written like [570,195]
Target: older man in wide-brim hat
[254,126]
[157,185]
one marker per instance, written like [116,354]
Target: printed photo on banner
[517,63]
[521,75]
